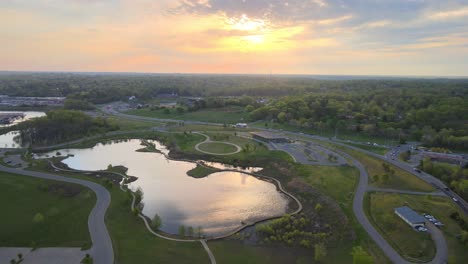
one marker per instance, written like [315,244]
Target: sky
[333,37]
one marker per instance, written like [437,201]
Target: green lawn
[217,147]
[410,242]
[337,181]
[400,180]
[359,137]
[201,171]
[64,207]
[134,244]
[127,124]
[131,240]
[375,149]
[230,115]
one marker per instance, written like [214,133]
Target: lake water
[218,203]
[27,115]
[10,139]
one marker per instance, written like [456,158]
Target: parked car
[421,229]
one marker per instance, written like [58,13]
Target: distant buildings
[445,157]
[269,137]
[6,100]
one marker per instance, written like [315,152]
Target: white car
[428,216]
[455,199]
[421,229]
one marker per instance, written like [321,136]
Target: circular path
[208,140]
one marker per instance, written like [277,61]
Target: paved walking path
[437,235]
[101,251]
[208,140]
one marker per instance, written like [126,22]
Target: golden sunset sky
[412,37]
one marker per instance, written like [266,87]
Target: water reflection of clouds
[218,203]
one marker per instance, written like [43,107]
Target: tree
[320,252]
[318,207]
[199,231]
[156,222]
[38,218]
[181,230]
[190,231]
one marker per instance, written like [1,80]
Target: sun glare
[244,23]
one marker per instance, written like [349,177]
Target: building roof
[410,215]
[268,135]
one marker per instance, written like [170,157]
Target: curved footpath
[442,251]
[358,209]
[101,251]
[208,140]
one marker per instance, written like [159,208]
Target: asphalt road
[442,251]
[101,251]
[358,209]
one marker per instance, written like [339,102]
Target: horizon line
[247,74]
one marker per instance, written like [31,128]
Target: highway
[437,235]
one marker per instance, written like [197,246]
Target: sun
[244,23]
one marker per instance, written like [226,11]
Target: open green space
[201,171]
[358,137]
[415,245]
[134,244]
[410,244]
[229,115]
[375,149]
[43,213]
[399,179]
[217,147]
[339,182]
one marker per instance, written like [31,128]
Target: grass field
[230,115]
[359,137]
[412,243]
[134,244]
[217,147]
[409,243]
[127,124]
[64,207]
[340,183]
[400,180]
[201,171]
[375,149]
[253,152]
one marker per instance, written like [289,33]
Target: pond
[218,203]
[27,115]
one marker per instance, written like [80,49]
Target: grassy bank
[201,171]
[402,237]
[400,179]
[375,149]
[43,213]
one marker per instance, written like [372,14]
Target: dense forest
[61,125]
[433,111]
